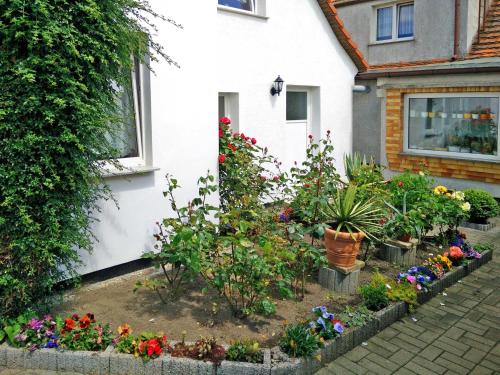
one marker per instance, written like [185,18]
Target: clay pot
[405,238]
[342,251]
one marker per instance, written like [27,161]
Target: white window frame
[308,120]
[142,110]
[258,9]
[395,22]
[449,154]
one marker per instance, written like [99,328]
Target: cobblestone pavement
[457,332]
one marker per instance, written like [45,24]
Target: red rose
[221,132]
[400,183]
[243,136]
[225,121]
[231,147]
[254,141]
[310,136]
[222,158]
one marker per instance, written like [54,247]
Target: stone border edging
[111,363]
[481,227]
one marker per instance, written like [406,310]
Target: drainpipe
[457,31]
[361,88]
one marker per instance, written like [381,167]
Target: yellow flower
[440,189]
[448,195]
[465,206]
[458,195]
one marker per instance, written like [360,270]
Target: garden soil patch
[200,314]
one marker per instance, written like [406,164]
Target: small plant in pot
[404,224]
[350,220]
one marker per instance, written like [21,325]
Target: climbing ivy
[59,62]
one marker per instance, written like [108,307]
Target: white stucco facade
[220,51]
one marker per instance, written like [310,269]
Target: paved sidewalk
[456,333]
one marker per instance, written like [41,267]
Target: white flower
[458,195]
[421,173]
[466,206]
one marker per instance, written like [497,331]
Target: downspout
[457,31]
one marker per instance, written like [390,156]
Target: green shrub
[374,294]
[483,205]
[245,351]
[299,341]
[59,64]
[355,317]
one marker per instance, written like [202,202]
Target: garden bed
[275,362]
[202,314]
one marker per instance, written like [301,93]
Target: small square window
[238,4]
[296,106]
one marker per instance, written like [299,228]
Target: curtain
[405,27]
[384,23]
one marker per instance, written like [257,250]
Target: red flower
[84,322]
[307,186]
[225,121]
[153,348]
[75,317]
[243,136]
[254,141]
[382,221]
[231,147]
[400,183]
[276,178]
[310,136]
[222,158]
[69,325]
[221,132]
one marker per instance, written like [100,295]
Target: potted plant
[475,146]
[465,146]
[404,224]
[350,219]
[485,114]
[454,143]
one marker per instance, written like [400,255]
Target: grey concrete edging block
[245,368]
[3,355]
[481,227]
[127,364]
[43,359]
[92,363]
[187,366]
[389,315]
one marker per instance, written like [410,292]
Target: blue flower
[322,323]
[339,328]
[413,270]
[312,325]
[421,279]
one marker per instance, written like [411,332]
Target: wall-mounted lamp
[277,86]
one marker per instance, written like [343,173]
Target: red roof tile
[487,43]
[342,34]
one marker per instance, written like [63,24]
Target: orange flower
[69,325]
[84,322]
[124,330]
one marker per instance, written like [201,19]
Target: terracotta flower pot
[405,238]
[343,250]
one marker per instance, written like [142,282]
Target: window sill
[239,11]
[391,41]
[469,157]
[128,171]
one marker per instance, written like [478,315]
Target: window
[296,106]
[129,133]
[394,22]
[238,4]
[453,125]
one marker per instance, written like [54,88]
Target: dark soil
[201,314]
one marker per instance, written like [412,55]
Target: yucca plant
[349,214]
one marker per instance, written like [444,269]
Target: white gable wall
[297,43]
[221,52]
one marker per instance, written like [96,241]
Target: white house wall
[220,51]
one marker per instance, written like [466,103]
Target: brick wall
[455,168]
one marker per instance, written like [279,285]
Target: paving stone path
[457,332]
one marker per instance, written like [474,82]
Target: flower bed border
[481,227]
[111,363]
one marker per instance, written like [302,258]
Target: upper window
[394,22]
[238,4]
[463,125]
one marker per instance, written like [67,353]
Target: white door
[298,125]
